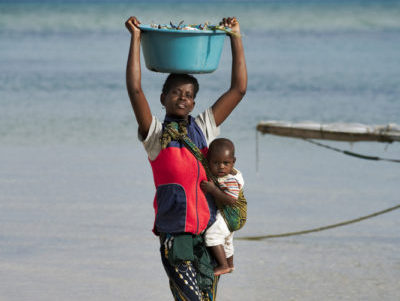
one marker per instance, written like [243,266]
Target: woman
[182,211]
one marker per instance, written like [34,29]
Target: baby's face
[221,163]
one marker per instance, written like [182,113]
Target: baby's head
[221,157]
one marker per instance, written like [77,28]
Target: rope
[320,228]
[352,153]
[257,153]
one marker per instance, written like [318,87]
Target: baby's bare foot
[221,270]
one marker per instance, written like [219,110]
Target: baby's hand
[207,186]
[232,23]
[132,24]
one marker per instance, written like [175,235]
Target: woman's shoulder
[152,142]
[206,123]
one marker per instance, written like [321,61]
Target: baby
[221,160]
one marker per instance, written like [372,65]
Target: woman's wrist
[136,36]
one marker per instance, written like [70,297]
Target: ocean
[76,189]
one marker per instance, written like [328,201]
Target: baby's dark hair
[220,144]
[174,78]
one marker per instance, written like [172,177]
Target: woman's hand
[132,24]
[232,23]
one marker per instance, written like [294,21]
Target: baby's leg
[230,263]
[228,247]
[219,254]
[215,237]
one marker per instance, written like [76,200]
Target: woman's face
[179,101]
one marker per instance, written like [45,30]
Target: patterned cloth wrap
[189,267]
[234,215]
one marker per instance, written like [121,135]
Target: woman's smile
[181,105]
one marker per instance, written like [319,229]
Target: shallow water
[76,190]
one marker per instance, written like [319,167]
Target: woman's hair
[175,78]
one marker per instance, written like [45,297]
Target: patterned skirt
[183,277]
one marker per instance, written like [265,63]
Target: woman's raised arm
[139,102]
[231,98]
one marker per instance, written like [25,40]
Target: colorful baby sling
[234,215]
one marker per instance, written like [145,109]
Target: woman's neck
[177,118]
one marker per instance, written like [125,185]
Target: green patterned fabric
[173,131]
[188,247]
[234,215]
[189,267]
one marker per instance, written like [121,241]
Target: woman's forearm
[133,68]
[239,70]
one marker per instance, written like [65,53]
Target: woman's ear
[162,98]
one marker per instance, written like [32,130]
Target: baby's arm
[133,79]
[231,98]
[219,196]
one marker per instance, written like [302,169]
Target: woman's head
[175,78]
[178,94]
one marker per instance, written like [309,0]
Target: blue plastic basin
[181,51]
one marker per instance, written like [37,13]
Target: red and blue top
[179,204]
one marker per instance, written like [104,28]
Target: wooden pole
[295,131]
